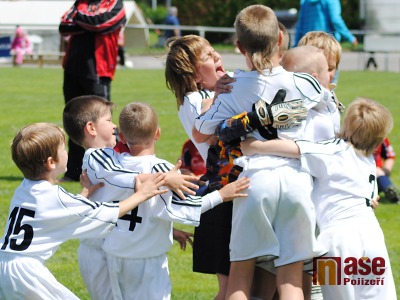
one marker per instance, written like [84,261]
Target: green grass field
[35,95]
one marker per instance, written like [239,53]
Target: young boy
[138,267]
[329,45]
[43,215]
[344,174]
[88,122]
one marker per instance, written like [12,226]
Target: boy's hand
[223,85]
[179,183]
[182,237]
[233,189]
[150,188]
[87,187]
[375,202]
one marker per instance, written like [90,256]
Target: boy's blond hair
[181,65]
[366,124]
[257,31]
[138,123]
[306,59]
[33,145]
[81,110]
[324,41]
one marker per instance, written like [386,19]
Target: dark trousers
[75,86]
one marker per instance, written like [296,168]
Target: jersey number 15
[15,228]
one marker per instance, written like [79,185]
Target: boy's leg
[289,281]
[264,284]
[94,270]
[222,284]
[240,279]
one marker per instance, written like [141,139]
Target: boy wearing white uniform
[138,266]
[266,225]
[43,215]
[344,174]
[88,122]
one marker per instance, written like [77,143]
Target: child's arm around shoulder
[175,181]
[228,193]
[143,191]
[284,148]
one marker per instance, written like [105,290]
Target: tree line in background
[222,13]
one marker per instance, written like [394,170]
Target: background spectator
[171,19]
[20,46]
[323,15]
[90,59]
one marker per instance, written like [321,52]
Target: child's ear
[315,75]
[280,37]
[50,164]
[90,128]
[241,49]
[121,137]
[158,134]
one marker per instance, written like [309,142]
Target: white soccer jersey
[189,111]
[41,217]
[251,87]
[102,165]
[344,179]
[344,184]
[147,230]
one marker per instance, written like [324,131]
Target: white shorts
[358,237]
[24,277]
[94,270]
[277,219]
[138,279]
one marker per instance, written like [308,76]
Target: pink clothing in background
[20,46]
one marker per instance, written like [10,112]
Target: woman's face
[209,68]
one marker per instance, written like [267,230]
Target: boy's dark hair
[81,110]
[33,145]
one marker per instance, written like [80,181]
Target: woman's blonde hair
[366,124]
[324,41]
[258,31]
[181,65]
[138,122]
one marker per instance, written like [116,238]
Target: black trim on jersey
[204,94]
[82,199]
[311,80]
[174,202]
[212,116]
[195,201]
[107,162]
[162,167]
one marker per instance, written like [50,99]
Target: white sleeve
[315,96]
[317,159]
[103,165]
[222,108]
[93,219]
[170,207]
